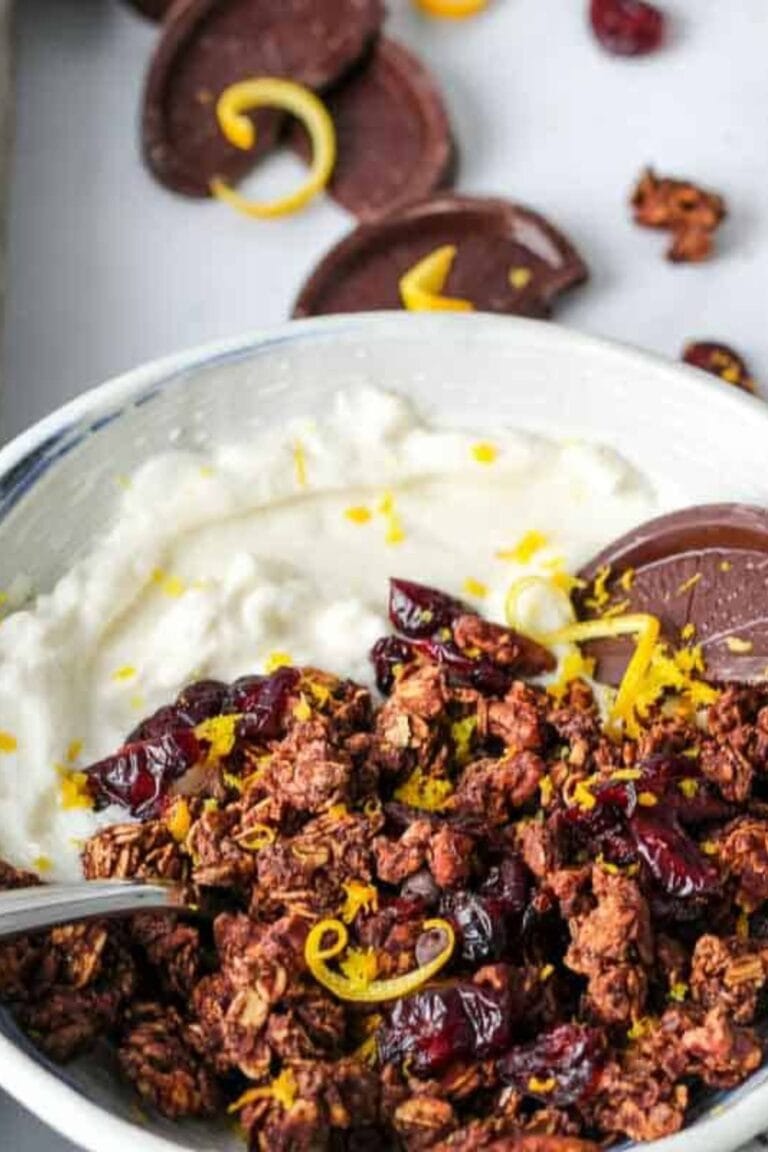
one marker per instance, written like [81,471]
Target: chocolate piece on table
[207,45]
[509,259]
[393,136]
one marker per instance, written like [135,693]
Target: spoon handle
[27,909]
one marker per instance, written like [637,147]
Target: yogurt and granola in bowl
[456,891]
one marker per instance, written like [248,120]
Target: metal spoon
[28,909]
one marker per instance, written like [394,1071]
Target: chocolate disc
[394,141]
[206,45]
[509,259]
[705,567]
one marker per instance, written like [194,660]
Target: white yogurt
[219,560]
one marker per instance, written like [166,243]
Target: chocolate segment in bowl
[509,259]
[394,140]
[207,45]
[705,567]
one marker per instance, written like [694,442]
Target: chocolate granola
[592,898]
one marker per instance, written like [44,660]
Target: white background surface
[106,269]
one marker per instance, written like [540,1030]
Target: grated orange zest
[526,548]
[277,659]
[358,897]
[519,277]
[219,733]
[484,452]
[452,9]
[358,514]
[283,1089]
[299,464]
[542,1087]
[425,792]
[600,594]
[178,819]
[73,789]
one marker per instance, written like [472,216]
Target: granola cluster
[595,905]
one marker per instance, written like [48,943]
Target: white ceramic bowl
[700,437]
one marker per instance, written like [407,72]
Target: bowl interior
[696,439]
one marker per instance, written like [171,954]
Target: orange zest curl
[256,837]
[232,110]
[645,627]
[422,285]
[359,988]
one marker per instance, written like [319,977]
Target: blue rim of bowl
[58,434]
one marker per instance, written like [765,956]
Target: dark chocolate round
[509,259]
[394,140]
[705,566]
[207,45]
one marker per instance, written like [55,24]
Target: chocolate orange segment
[394,140]
[703,572]
[508,259]
[207,45]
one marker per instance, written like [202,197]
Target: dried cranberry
[387,655]
[544,933]
[507,883]
[431,1027]
[464,671]
[627,27]
[439,1025]
[490,1014]
[704,805]
[720,360]
[263,701]
[672,857]
[570,1055]
[139,774]
[201,700]
[160,723]
[664,768]
[196,702]
[481,923]
[603,828]
[489,921]
[662,773]
[418,611]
